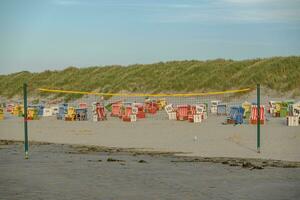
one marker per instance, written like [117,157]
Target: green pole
[258,118]
[25,121]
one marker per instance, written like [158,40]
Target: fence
[154,104]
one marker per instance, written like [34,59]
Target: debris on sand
[86,149]
[95,160]
[252,166]
[177,157]
[12,142]
[289,166]
[142,161]
[256,167]
[233,164]
[8,142]
[247,163]
[114,160]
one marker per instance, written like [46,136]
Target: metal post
[25,121]
[258,118]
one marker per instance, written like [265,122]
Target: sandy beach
[56,171]
[148,159]
[208,139]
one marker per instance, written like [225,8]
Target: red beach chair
[253,117]
[140,112]
[100,112]
[182,112]
[116,109]
[151,107]
[126,114]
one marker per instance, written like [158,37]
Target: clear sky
[36,35]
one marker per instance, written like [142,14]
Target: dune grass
[278,73]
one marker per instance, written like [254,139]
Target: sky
[36,35]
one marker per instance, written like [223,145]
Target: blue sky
[36,35]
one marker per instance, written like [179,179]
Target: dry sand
[278,141]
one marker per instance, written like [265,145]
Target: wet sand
[57,171]
[278,141]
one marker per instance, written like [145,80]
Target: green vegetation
[278,73]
